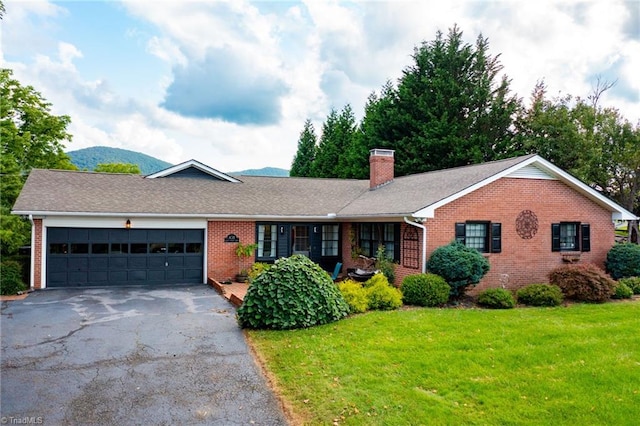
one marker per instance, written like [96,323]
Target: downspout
[424,240]
[31,255]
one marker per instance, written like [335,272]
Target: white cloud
[286,62]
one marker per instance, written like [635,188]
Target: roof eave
[617,211]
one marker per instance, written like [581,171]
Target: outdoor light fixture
[128,224]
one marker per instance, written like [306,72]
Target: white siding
[530,172]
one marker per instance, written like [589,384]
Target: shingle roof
[71,192]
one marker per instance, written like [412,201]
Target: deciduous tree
[30,137]
[133,169]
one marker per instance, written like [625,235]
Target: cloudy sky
[231,83]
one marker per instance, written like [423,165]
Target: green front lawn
[576,365]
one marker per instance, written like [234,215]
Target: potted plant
[244,251]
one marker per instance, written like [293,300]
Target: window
[330,240]
[139,248]
[194,247]
[486,237]
[100,248]
[176,248]
[58,248]
[570,236]
[79,248]
[267,241]
[372,235]
[158,248]
[119,248]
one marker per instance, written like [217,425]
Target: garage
[83,257]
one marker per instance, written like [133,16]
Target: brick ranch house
[182,224]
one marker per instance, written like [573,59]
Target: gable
[531,171]
[191,169]
[194,173]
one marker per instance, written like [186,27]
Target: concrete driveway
[167,355]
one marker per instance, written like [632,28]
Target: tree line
[452,107]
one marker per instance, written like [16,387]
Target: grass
[567,365]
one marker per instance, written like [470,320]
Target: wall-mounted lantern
[128,224]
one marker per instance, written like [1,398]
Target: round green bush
[633,283]
[585,282]
[496,298]
[622,291]
[381,295]
[623,260]
[459,265]
[425,290]
[11,278]
[294,293]
[355,295]
[540,295]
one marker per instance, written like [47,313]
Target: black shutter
[396,242]
[585,235]
[496,238]
[460,232]
[555,237]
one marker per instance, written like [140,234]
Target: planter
[242,278]
[571,258]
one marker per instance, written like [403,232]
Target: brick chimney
[380,167]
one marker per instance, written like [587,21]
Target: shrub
[11,278]
[623,260]
[496,298]
[355,295]
[381,294]
[540,295]
[459,265]
[258,268]
[633,283]
[294,293]
[385,265]
[622,291]
[584,282]
[425,290]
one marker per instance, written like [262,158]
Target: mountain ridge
[89,158]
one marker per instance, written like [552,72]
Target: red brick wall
[36,254]
[222,262]
[525,261]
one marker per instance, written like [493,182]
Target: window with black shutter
[570,236]
[486,237]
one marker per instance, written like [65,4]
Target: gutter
[424,239]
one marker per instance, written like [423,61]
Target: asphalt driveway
[168,355]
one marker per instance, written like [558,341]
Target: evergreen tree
[448,109]
[306,153]
[337,135]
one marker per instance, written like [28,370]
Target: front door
[301,240]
